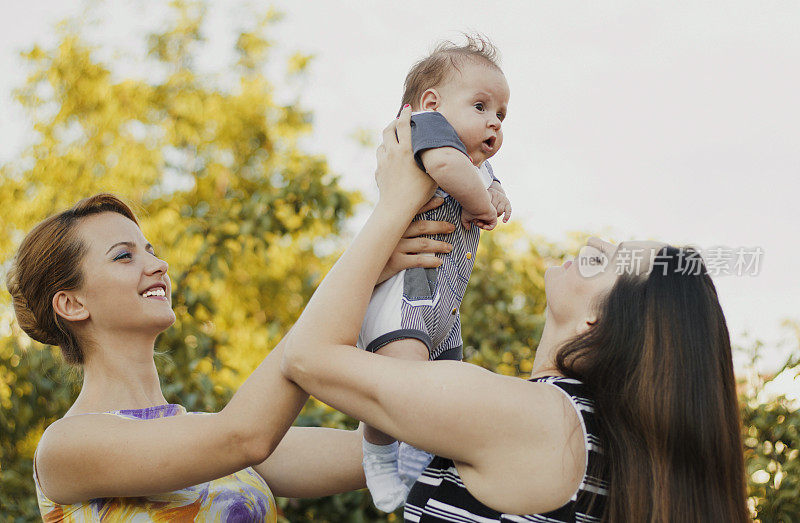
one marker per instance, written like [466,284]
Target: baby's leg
[405,349]
[380,450]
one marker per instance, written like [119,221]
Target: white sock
[411,461]
[380,467]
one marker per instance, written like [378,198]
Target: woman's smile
[157,291]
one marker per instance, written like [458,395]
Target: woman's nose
[158,265]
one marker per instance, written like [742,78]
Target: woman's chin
[166,322]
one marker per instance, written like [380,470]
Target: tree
[221,186]
[772,450]
[771,433]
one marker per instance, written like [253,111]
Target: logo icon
[591,261]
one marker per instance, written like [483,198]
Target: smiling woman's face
[573,287]
[125,288]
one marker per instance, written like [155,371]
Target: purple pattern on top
[239,497]
[159,411]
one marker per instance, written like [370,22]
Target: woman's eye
[122,255]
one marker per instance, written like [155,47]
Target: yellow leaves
[253,46]
[365,137]
[516,362]
[252,49]
[188,105]
[35,54]
[204,366]
[298,62]
[27,446]
[287,215]
[506,369]
[175,46]
[158,226]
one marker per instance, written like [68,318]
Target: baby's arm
[454,173]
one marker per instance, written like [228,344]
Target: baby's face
[475,102]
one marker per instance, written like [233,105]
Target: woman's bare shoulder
[69,431]
[543,462]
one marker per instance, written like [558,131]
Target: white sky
[673,121]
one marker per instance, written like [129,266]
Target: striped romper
[424,304]
[440,495]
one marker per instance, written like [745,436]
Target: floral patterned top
[238,497]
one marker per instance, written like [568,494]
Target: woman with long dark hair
[630,413]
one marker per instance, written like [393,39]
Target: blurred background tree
[772,443]
[216,175]
[249,223]
[771,421]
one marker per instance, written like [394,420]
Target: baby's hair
[446,57]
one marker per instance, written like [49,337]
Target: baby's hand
[500,200]
[486,221]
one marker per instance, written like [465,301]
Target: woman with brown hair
[630,413]
[88,281]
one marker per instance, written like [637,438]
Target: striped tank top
[239,497]
[440,495]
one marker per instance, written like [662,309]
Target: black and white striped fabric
[440,495]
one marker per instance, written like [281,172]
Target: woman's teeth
[158,291]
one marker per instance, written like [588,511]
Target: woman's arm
[313,461]
[100,455]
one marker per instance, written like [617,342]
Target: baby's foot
[380,468]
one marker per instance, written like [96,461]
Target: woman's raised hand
[414,249]
[398,176]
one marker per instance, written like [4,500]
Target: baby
[459,97]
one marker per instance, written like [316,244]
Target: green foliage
[503,310]
[772,453]
[772,440]
[36,388]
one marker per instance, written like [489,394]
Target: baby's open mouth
[490,142]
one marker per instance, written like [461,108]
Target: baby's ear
[430,100]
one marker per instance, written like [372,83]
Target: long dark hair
[658,363]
